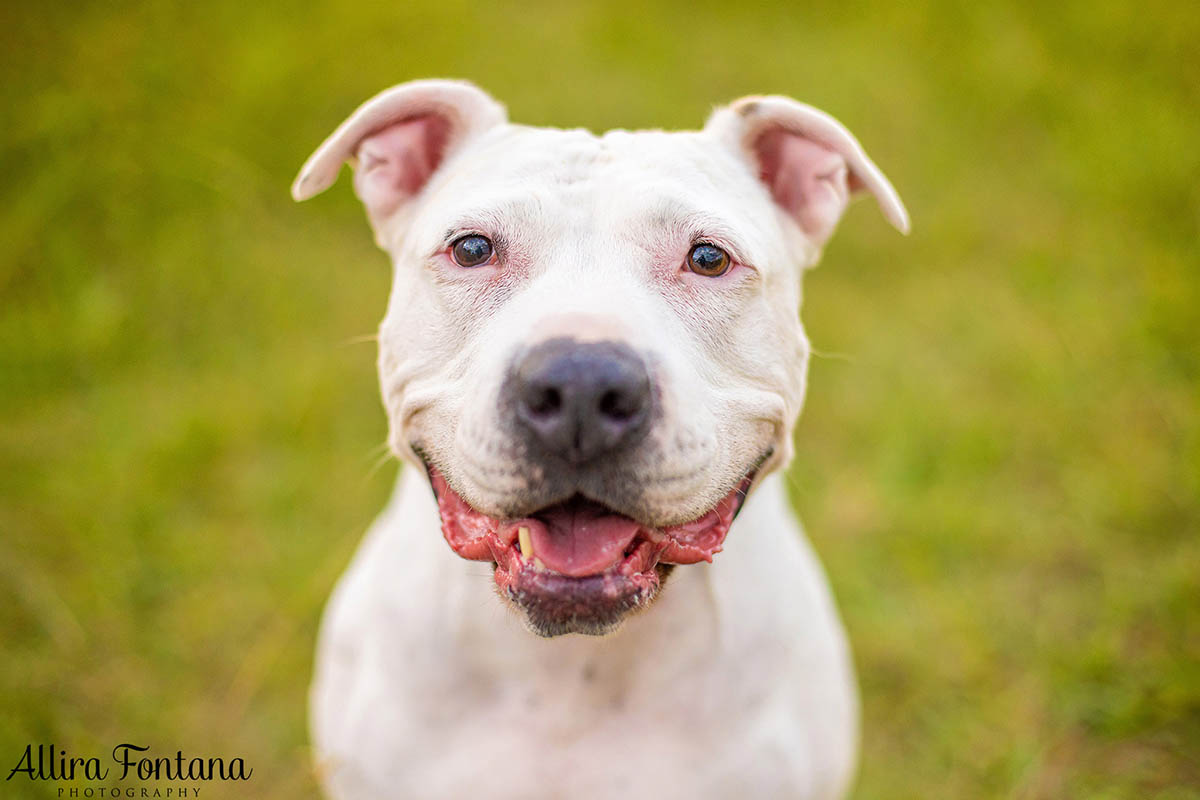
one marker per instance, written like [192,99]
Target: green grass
[1002,473]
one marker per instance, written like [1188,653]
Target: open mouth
[579,566]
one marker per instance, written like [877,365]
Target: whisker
[366,337]
[793,484]
[832,356]
[379,462]
[382,447]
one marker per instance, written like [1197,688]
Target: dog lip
[618,573]
[477,536]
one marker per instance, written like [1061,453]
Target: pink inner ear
[395,162]
[807,179]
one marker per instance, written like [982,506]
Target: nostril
[616,405]
[545,401]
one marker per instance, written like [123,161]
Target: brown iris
[708,260]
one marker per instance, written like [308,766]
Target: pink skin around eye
[670,257]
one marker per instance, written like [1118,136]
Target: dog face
[592,343]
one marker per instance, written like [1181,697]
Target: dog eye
[471,251]
[708,260]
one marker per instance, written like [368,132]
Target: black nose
[580,400]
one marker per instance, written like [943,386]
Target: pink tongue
[582,542]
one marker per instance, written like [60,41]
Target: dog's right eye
[472,251]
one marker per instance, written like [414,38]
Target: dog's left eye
[708,260]
[471,251]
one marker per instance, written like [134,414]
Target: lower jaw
[554,604]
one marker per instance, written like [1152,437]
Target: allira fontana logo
[128,762]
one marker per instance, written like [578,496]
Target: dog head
[593,343]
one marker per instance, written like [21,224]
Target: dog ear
[810,163]
[396,140]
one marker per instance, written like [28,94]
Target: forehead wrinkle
[695,223]
[501,215]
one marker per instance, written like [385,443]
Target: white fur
[737,680]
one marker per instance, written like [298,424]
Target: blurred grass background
[999,463]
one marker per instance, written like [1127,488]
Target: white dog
[592,355]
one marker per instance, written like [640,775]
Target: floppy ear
[809,162]
[396,140]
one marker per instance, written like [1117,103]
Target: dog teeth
[538,565]
[526,542]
